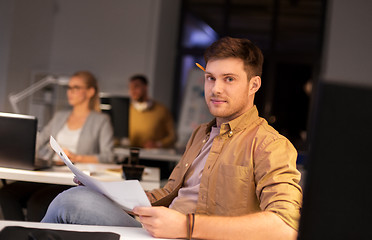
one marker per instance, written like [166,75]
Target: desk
[166,159]
[62,175]
[169,155]
[126,233]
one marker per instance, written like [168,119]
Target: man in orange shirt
[237,178]
[150,123]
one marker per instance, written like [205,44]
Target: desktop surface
[62,175]
[159,154]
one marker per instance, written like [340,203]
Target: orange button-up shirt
[250,168]
[154,124]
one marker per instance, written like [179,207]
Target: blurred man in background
[150,123]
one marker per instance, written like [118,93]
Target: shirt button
[186,165]
[230,133]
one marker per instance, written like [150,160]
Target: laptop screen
[17,140]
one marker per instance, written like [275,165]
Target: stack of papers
[128,194]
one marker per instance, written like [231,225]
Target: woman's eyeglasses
[75,88]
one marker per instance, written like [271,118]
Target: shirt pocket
[232,189]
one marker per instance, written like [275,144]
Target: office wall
[6,10]
[115,40]
[348,43]
[26,37]
[166,51]
[112,38]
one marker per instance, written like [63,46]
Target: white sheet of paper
[128,194]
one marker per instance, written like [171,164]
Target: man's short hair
[140,77]
[244,49]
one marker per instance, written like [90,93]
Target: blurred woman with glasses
[85,134]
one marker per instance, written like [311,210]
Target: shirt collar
[237,124]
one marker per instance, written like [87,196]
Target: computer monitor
[338,190]
[118,109]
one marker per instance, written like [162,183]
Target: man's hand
[77,181]
[162,222]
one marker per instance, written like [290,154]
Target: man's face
[137,90]
[228,92]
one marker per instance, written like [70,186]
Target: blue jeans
[80,205]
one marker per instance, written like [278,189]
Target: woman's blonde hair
[91,82]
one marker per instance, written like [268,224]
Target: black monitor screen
[338,190]
[118,109]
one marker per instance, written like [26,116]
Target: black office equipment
[18,141]
[118,109]
[337,194]
[28,233]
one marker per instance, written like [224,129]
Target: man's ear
[254,84]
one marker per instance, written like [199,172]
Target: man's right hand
[77,181]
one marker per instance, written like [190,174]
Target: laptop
[18,142]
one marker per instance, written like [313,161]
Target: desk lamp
[48,80]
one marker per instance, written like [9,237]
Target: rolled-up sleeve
[278,180]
